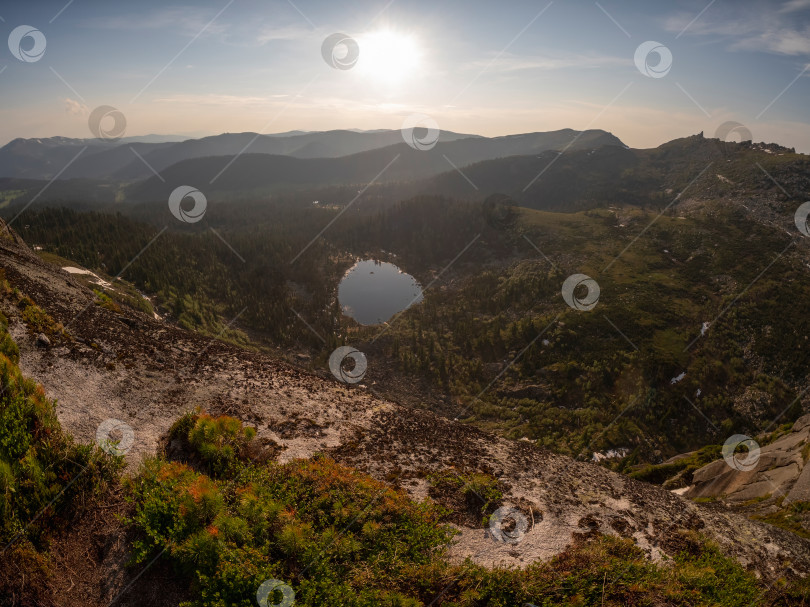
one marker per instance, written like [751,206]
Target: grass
[105,301]
[8,196]
[36,319]
[781,430]
[793,517]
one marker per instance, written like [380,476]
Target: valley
[102,361]
[473,348]
[487,391]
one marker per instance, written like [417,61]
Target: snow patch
[96,278]
[610,454]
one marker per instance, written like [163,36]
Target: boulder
[780,471]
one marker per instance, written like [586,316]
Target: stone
[781,470]
[717,479]
[43,341]
[803,423]
[754,490]
[801,488]
[781,477]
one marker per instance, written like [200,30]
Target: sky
[489,68]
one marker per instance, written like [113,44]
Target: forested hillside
[693,295]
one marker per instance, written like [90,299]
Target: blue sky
[489,68]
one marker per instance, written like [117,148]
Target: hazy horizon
[292,132]
[248,66]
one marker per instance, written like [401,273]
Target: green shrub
[485,487]
[105,301]
[660,473]
[9,348]
[328,530]
[42,471]
[480,493]
[37,319]
[217,442]
[339,537]
[613,572]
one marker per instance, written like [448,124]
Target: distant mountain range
[136,159]
[397,163]
[557,171]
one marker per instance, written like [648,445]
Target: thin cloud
[190,20]
[289,32]
[231,101]
[782,42]
[795,5]
[752,28]
[187,19]
[512,63]
[75,108]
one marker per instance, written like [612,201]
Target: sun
[388,57]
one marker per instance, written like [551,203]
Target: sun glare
[388,57]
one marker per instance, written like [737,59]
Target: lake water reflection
[373,291]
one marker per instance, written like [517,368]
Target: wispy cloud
[288,32]
[795,5]
[753,27]
[75,108]
[185,19]
[232,101]
[781,41]
[513,63]
[189,20]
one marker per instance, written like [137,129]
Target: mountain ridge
[45,158]
[399,162]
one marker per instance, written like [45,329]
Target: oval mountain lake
[371,292]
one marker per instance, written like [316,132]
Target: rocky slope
[130,367]
[779,470]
